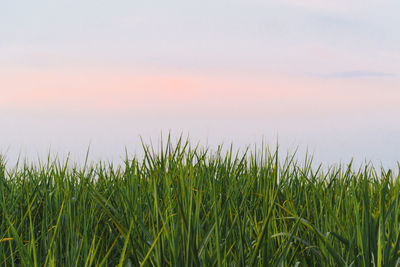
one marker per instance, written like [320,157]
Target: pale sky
[323,76]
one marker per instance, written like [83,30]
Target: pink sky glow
[318,74]
[110,91]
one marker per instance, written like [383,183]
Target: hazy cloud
[353,74]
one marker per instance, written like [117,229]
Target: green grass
[184,206]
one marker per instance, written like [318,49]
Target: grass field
[185,206]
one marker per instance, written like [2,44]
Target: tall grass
[185,206]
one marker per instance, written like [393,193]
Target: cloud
[354,74]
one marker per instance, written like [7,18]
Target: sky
[311,75]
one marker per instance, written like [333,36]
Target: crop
[188,206]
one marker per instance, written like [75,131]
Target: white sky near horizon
[311,74]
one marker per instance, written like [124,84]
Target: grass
[185,206]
